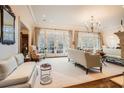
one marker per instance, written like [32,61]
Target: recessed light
[43,15]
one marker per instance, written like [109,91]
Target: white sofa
[112,52]
[15,73]
[85,59]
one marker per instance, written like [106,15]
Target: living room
[82,46]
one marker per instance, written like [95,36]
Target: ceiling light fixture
[93,25]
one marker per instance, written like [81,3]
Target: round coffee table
[45,74]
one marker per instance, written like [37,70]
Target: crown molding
[32,14]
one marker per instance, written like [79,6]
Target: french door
[54,43]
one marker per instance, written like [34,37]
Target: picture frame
[7,25]
[0,24]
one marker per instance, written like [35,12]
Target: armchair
[93,61]
[87,60]
[35,56]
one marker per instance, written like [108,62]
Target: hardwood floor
[104,83]
[100,83]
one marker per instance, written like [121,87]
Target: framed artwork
[7,25]
[0,24]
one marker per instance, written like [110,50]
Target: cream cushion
[112,52]
[21,75]
[19,59]
[85,59]
[7,67]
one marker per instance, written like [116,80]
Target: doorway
[54,43]
[24,39]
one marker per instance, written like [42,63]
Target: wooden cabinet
[121,37]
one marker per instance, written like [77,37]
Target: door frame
[46,44]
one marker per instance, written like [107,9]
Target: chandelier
[93,25]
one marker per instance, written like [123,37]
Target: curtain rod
[67,30]
[56,29]
[86,31]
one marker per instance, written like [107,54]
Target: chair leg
[100,69]
[87,71]
[75,64]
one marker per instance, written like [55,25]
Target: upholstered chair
[93,61]
[87,60]
[35,55]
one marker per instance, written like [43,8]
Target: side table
[45,74]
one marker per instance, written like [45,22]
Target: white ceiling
[74,16]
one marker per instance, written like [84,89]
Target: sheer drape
[75,39]
[101,39]
[54,41]
[89,41]
[70,39]
[36,36]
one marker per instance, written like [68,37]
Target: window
[88,41]
[54,43]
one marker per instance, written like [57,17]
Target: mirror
[0,24]
[7,26]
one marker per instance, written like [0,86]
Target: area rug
[66,74]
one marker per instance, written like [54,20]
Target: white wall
[23,14]
[110,39]
[8,50]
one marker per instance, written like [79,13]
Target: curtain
[70,39]
[75,42]
[36,36]
[101,39]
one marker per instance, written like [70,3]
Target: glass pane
[88,41]
[59,42]
[42,42]
[66,42]
[8,30]
[51,42]
[56,42]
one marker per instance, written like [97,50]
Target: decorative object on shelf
[118,46]
[121,42]
[7,25]
[93,25]
[25,50]
[45,74]
[27,58]
[122,26]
